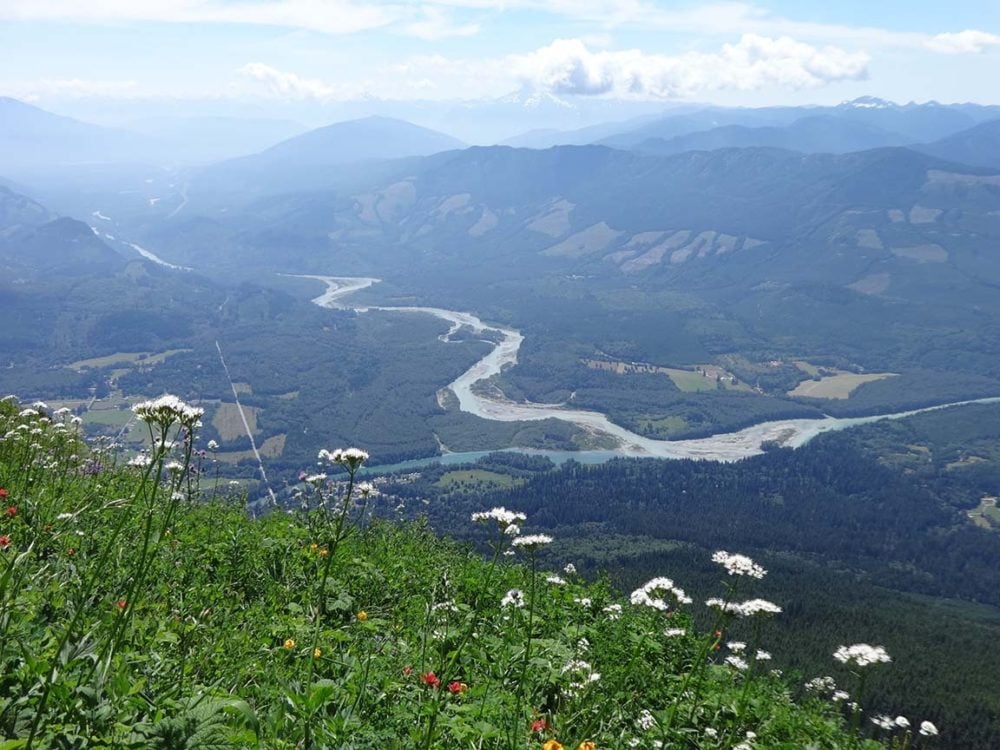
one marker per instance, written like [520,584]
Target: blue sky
[76,56]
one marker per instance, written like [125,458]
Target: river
[729,446]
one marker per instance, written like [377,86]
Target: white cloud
[436,23]
[282,85]
[325,16]
[969,41]
[567,66]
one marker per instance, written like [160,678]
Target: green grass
[691,382]
[136,358]
[466,477]
[663,427]
[110,417]
[135,614]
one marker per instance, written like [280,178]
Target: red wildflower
[71,551]
[430,679]
[11,511]
[4,541]
[407,670]
[457,687]
[3,493]
[121,604]
[539,725]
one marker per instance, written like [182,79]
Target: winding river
[730,446]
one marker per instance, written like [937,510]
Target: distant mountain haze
[979,145]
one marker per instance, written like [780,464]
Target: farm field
[839,386]
[229,424]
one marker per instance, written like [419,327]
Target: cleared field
[135,358]
[228,422]
[116,417]
[987,515]
[701,378]
[476,476]
[663,427]
[839,386]
[273,447]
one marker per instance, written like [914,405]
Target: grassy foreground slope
[137,610]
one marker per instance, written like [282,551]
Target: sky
[305,59]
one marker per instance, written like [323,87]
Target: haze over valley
[671,280]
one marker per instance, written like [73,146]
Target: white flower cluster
[613,611]
[738,565]
[503,517]
[753,607]
[166,410]
[581,675]
[749,608]
[651,594]
[927,728]
[513,598]
[646,720]
[674,632]
[861,654]
[737,662]
[532,541]
[353,457]
[555,580]
[821,685]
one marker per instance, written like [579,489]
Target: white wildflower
[532,541]
[315,479]
[367,489]
[652,594]
[720,604]
[614,611]
[674,632]
[883,721]
[861,654]
[570,569]
[737,647]
[64,516]
[738,565]
[141,460]
[646,720]
[902,722]
[763,655]
[513,598]
[584,602]
[166,410]
[927,729]
[175,466]
[840,695]
[753,607]
[711,732]
[555,580]
[512,530]
[736,662]
[212,445]
[501,515]
[821,685]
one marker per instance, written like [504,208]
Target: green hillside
[142,607]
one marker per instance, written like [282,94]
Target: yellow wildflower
[317,652]
[362,616]
[289,644]
[587,745]
[324,552]
[552,745]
